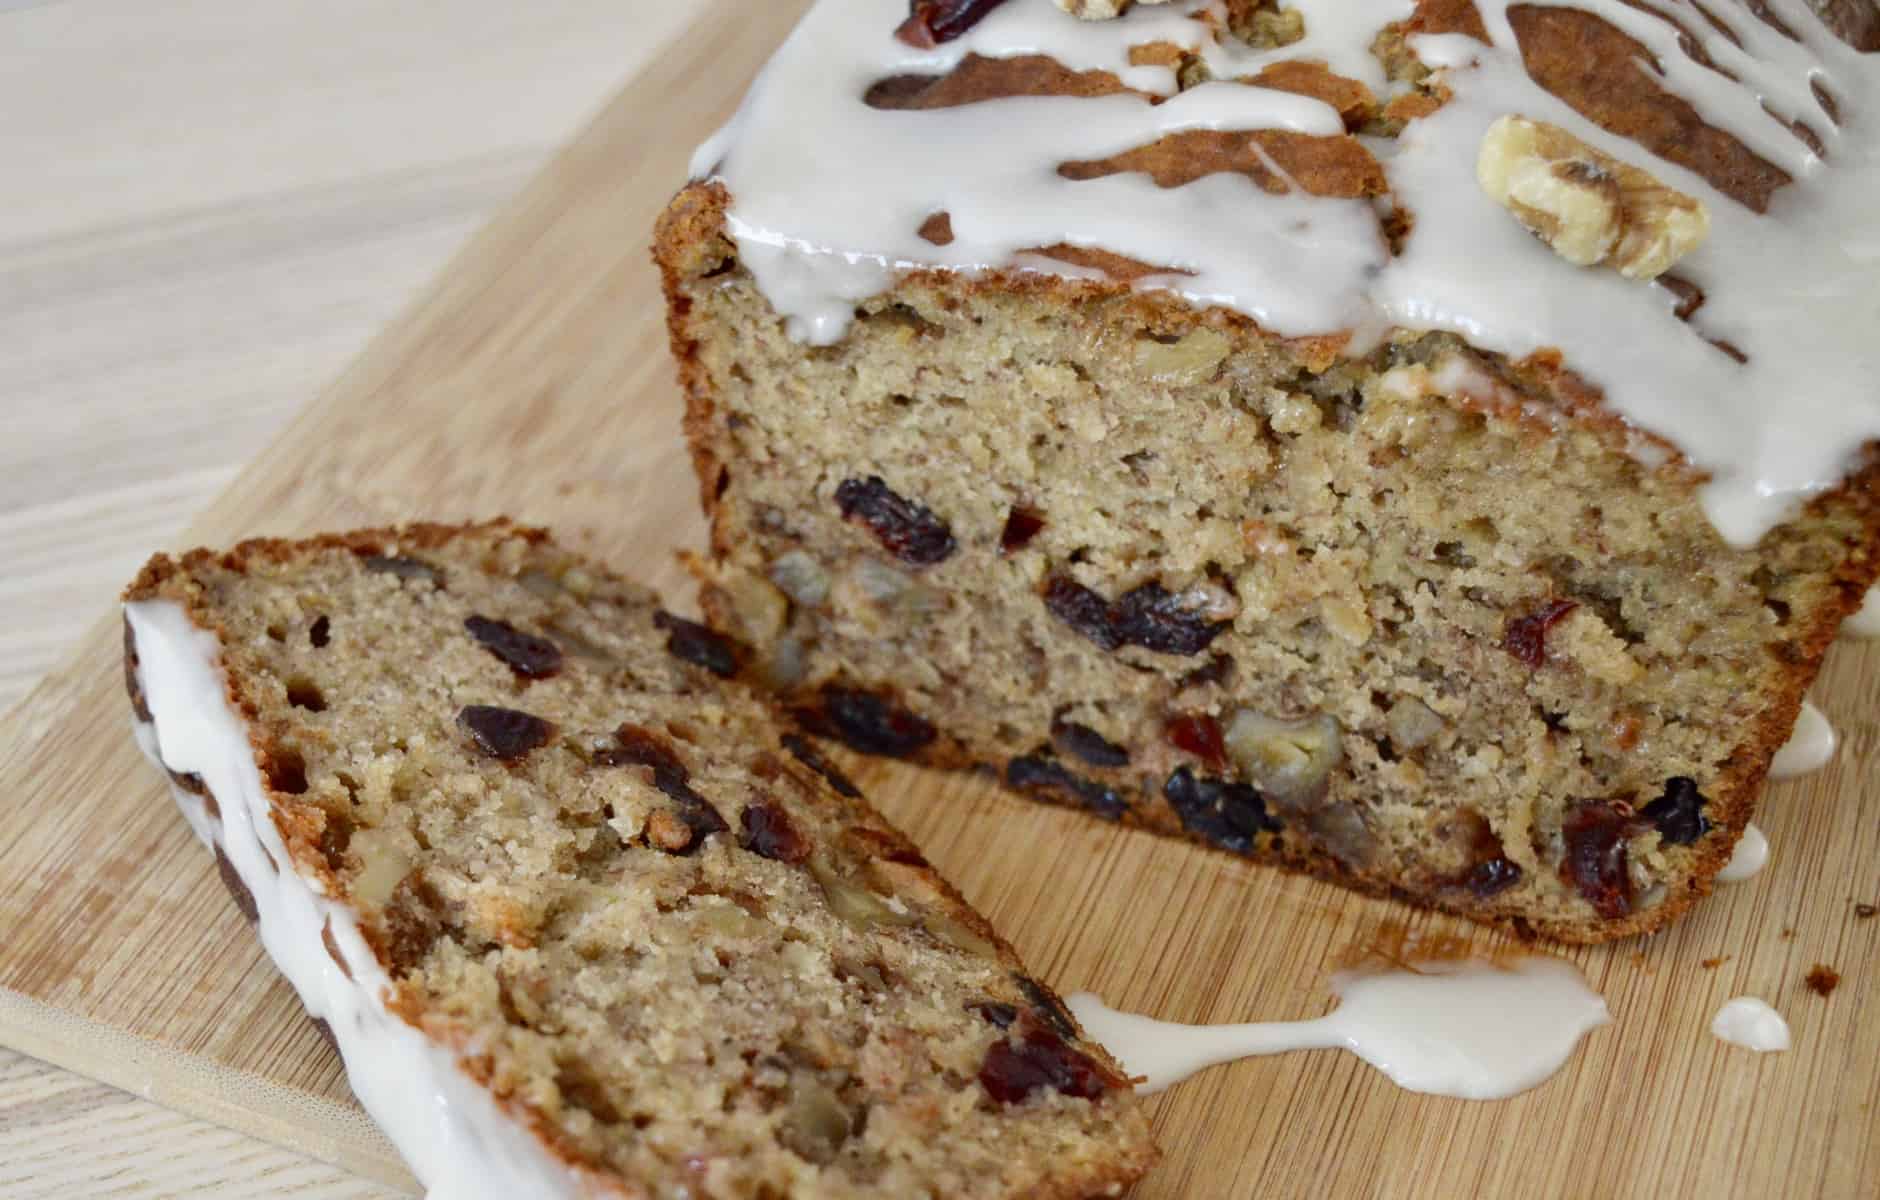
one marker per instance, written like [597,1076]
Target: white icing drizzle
[1748,858]
[1751,1024]
[1472,1030]
[453,1135]
[1809,748]
[1865,623]
[828,194]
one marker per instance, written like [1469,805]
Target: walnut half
[1589,207]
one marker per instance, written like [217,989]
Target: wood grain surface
[533,380]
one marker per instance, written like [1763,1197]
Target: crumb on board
[1711,964]
[1822,979]
[1863,911]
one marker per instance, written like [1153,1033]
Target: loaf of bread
[580,917]
[1428,445]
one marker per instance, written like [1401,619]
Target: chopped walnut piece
[1591,208]
[1100,10]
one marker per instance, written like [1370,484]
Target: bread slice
[580,917]
[1387,606]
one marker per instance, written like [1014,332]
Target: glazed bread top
[1671,200]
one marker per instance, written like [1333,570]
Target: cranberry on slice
[1038,1058]
[504,733]
[529,656]
[1596,862]
[1200,735]
[909,531]
[700,645]
[1679,813]
[769,832]
[931,22]
[1083,742]
[1526,637]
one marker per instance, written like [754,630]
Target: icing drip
[1866,622]
[449,1130]
[1472,1030]
[827,219]
[1808,749]
[1751,1024]
[1749,857]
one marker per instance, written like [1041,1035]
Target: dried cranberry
[1147,616]
[866,722]
[1596,862]
[1200,735]
[700,645]
[529,656]
[405,568]
[1526,637]
[996,1012]
[1491,871]
[638,746]
[1049,1008]
[1042,779]
[1021,525]
[1082,609]
[909,531]
[806,754]
[1018,1066]
[768,831]
[1229,815]
[1086,743]
[931,22]
[1679,813]
[1492,876]
[504,733]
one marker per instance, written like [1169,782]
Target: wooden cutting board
[533,380]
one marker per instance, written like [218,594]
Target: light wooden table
[206,208]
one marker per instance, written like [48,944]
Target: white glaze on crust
[452,1134]
[827,195]
[1472,1030]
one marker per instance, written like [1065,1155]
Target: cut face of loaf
[1417,621]
[581,918]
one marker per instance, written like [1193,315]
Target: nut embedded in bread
[582,918]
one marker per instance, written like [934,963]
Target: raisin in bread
[582,920]
[1420,451]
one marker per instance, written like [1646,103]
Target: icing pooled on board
[1472,1030]
[828,195]
[1751,1024]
